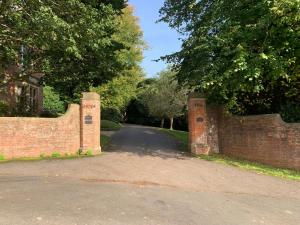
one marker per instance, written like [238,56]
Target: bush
[2,158]
[53,106]
[89,152]
[107,125]
[111,115]
[290,112]
[3,108]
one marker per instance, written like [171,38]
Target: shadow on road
[145,141]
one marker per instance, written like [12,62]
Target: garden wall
[78,129]
[265,138]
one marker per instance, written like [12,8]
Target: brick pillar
[90,123]
[198,139]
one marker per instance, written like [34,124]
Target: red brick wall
[265,138]
[31,137]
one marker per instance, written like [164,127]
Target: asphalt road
[143,179]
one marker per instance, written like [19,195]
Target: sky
[161,39]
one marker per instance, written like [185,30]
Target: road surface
[143,179]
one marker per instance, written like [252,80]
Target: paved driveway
[143,179]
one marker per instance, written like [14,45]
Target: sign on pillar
[198,142]
[90,123]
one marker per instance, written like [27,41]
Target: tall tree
[117,93]
[166,98]
[70,41]
[243,53]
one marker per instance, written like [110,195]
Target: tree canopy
[243,53]
[165,98]
[70,41]
[118,92]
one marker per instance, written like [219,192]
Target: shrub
[2,158]
[79,152]
[55,155]
[89,152]
[290,112]
[107,125]
[111,115]
[53,106]
[3,108]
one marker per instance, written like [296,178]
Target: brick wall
[264,138]
[31,137]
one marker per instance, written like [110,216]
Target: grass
[104,141]
[181,136]
[107,125]
[42,157]
[253,166]
[259,168]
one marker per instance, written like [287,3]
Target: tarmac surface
[143,179]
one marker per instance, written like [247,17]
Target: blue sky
[160,38]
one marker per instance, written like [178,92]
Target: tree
[166,98]
[70,41]
[242,53]
[117,93]
[52,102]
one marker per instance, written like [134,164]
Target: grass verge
[259,168]
[253,166]
[104,141]
[30,159]
[181,136]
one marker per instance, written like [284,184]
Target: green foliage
[107,125]
[112,115]
[3,108]
[2,158]
[165,97]
[55,155]
[52,102]
[72,42]
[290,112]
[79,151]
[89,152]
[181,136]
[253,166]
[117,93]
[104,141]
[242,53]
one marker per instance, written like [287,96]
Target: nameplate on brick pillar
[200,120]
[88,119]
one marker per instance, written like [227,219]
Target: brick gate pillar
[90,123]
[198,139]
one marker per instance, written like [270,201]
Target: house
[25,95]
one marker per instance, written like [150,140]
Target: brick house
[30,91]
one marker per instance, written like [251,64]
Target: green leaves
[240,53]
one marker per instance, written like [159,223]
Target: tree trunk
[171,123]
[162,123]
